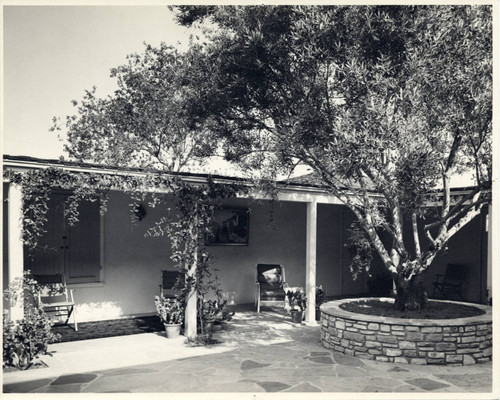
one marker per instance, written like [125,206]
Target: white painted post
[190,320]
[489,278]
[311,229]
[15,245]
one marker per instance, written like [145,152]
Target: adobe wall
[133,262]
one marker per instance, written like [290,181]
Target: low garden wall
[411,341]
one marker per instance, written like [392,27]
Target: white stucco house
[116,271]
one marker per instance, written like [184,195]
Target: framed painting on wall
[229,227]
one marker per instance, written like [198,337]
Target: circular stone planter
[459,341]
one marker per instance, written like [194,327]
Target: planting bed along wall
[460,341]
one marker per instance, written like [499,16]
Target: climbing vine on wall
[186,229]
[38,185]
[195,205]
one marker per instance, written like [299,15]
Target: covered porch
[307,235]
[306,232]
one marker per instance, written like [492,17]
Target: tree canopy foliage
[384,103]
[392,100]
[147,121]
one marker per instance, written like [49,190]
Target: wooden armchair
[270,285]
[172,283]
[55,298]
[451,281]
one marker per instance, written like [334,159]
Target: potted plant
[212,312]
[208,311]
[320,299]
[297,301]
[171,314]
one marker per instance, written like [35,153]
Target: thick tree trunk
[410,294]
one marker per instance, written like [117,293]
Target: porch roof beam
[287,192]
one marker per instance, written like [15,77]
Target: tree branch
[416,239]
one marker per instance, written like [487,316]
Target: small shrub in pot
[298,302]
[26,339]
[171,313]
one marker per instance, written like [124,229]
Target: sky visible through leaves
[53,54]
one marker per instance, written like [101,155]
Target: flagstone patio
[263,352]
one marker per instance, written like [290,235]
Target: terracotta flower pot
[297,316]
[172,330]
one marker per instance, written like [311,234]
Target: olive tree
[147,121]
[384,103]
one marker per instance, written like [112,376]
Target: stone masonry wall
[463,343]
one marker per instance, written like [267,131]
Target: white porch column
[190,318]
[489,277]
[190,321]
[311,229]
[15,244]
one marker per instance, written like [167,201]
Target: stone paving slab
[305,373]
[295,363]
[26,386]
[304,387]
[71,388]
[342,371]
[475,382]
[407,389]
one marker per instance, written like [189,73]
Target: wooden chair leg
[74,319]
[258,299]
[70,310]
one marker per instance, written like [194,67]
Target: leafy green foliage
[170,311]
[392,100]
[38,185]
[187,15]
[214,311]
[148,122]
[26,339]
[186,230]
[297,299]
[360,250]
[320,296]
